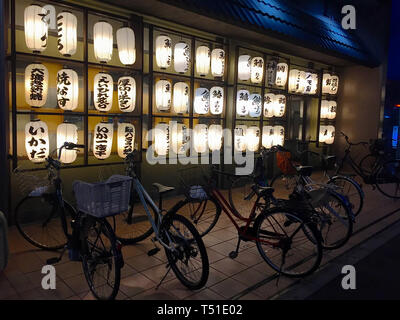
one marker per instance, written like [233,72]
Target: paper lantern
[103,140]
[67,89]
[67,33]
[328,109]
[279,105]
[215,137]
[252,138]
[103,41]
[297,81]
[273,136]
[126,46]
[36,85]
[310,83]
[203,60]
[334,85]
[181,97]
[126,139]
[182,57]
[218,62]
[126,94]
[37,141]
[240,138]
[216,100]
[279,135]
[163,95]
[67,132]
[257,69]
[103,91]
[242,102]
[327,134]
[281,74]
[269,105]
[200,138]
[161,140]
[255,105]
[163,51]
[179,137]
[326,83]
[35,28]
[202,101]
[271,72]
[244,67]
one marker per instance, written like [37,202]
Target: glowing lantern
[181,57]
[279,135]
[36,85]
[179,137]
[268,137]
[328,109]
[326,83]
[67,89]
[126,139]
[327,134]
[269,105]
[67,33]
[103,91]
[242,103]
[103,140]
[203,60]
[334,85]
[37,141]
[67,132]
[161,140]
[215,137]
[281,74]
[216,100]
[240,138]
[257,68]
[217,62]
[244,67]
[310,83]
[271,72]
[126,94]
[163,95]
[36,28]
[103,41]
[126,46]
[296,81]
[255,105]
[181,97]
[200,138]
[252,138]
[163,51]
[202,101]
[280,105]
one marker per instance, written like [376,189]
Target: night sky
[394,48]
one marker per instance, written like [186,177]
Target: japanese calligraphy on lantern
[36,85]
[126,139]
[216,100]
[255,105]
[281,74]
[242,101]
[67,89]
[126,94]
[37,141]
[257,67]
[202,101]
[102,140]
[240,138]
[103,91]
[271,72]
[330,84]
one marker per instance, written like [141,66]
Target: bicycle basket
[194,182]
[283,161]
[103,199]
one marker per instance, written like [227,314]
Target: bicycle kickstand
[163,278]
[234,254]
[55,260]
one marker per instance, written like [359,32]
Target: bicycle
[91,241]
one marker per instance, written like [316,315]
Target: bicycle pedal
[233,255]
[152,252]
[53,260]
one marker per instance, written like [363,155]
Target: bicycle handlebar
[353,144]
[68,146]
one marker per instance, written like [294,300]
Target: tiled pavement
[246,277]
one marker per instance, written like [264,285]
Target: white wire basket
[103,199]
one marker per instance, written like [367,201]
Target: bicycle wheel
[188,256]
[287,243]
[101,258]
[368,164]
[241,195]
[387,179]
[204,214]
[352,190]
[283,185]
[38,219]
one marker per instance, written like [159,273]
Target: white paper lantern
[242,102]
[281,74]
[334,85]
[163,51]
[268,137]
[244,67]
[216,100]
[182,57]
[103,91]
[35,28]
[280,105]
[240,138]
[67,89]
[161,140]
[310,83]
[67,132]
[327,134]
[269,105]
[36,85]
[67,33]
[126,94]
[103,140]
[215,137]
[163,95]
[126,139]
[103,41]
[202,101]
[257,68]
[179,137]
[218,62]
[326,83]
[279,135]
[200,138]
[126,46]
[328,109]
[203,60]
[37,141]
[181,97]
[255,107]
[297,81]
[271,72]
[252,138]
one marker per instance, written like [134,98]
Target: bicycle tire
[240,193]
[283,184]
[368,164]
[387,177]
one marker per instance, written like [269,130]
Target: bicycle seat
[263,191]
[162,189]
[305,171]
[327,158]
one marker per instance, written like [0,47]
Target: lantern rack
[15,56]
